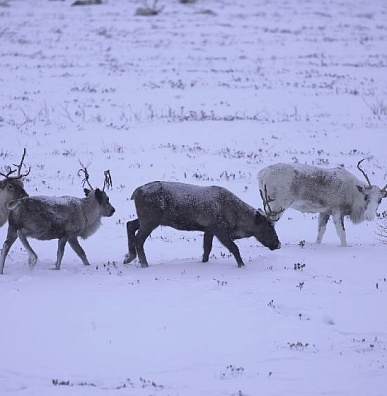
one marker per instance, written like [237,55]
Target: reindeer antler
[86,175]
[18,169]
[108,180]
[266,204]
[364,174]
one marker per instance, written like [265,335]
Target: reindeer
[213,210]
[63,218]
[329,192]
[11,188]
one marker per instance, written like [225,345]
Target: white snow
[206,93]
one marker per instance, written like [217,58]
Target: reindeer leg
[225,239]
[32,257]
[11,238]
[74,243]
[338,221]
[322,226]
[61,245]
[140,238]
[207,245]
[131,228]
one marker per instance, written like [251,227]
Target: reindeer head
[11,188]
[372,195]
[100,195]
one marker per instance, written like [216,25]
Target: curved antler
[266,205]
[108,180]
[18,169]
[86,176]
[364,174]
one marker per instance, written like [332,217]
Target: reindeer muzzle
[278,246]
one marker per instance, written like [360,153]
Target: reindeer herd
[213,210]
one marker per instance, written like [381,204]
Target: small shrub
[86,2]
[149,10]
[299,266]
[378,108]
[382,231]
[232,371]
[298,346]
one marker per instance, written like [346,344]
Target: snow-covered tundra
[330,192]
[213,210]
[11,187]
[62,218]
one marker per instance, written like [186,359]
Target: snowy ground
[207,93]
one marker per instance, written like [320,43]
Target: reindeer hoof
[32,262]
[129,258]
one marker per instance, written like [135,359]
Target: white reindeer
[330,192]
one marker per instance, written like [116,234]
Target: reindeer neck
[91,214]
[90,209]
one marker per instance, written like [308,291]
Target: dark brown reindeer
[63,218]
[11,187]
[213,210]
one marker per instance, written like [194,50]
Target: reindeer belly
[48,225]
[307,206]
[43,231]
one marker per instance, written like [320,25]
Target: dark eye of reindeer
[366,197]
[380,201]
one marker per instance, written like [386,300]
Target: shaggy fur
[62,218]
[330,192]
[213,210]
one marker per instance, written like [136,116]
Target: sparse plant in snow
[220,282]
[299,266]
[86,2]
[148,10]
[270,304]
[57,382]
[382,231]
[298,346]
[378,108]
[232,371]
[146,383]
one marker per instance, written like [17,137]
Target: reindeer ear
[86,191]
